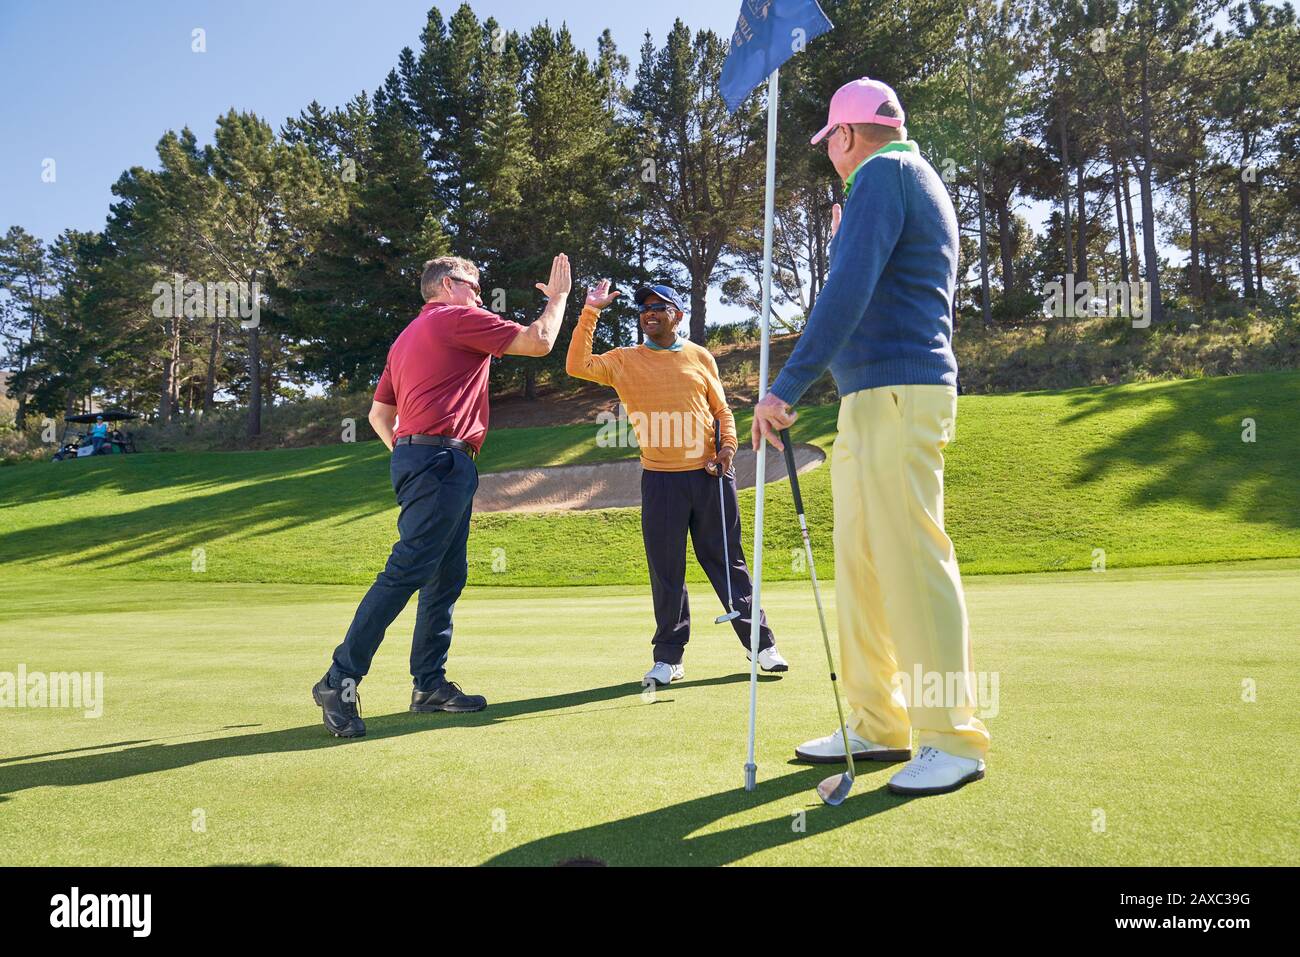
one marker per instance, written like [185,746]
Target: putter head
[835,789]
[729,616]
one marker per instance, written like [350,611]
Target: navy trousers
[435,487]
[672,504]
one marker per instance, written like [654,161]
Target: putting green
[1121,733]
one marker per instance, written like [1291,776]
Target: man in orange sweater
[672,393]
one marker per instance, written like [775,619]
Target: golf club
[722,505]
[835,788]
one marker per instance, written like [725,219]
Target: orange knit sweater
[671,397]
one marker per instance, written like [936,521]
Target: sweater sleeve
[580,363]
[869,231]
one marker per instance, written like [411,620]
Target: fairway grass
[1121,733]
[1134,475]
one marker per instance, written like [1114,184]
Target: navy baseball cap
[666,293]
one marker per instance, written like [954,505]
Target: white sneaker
[663,673]
[769,659]
[830,750]
[935,772]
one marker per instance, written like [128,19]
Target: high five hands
[560,282]
[599,295]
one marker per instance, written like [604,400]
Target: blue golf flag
[768,32]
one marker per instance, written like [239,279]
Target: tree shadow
[265,500]
[152,756]
[664,836]
[1186,445]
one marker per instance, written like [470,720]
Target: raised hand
[560,282]
[836,212]
[599,295]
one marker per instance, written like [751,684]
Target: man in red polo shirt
[431,409]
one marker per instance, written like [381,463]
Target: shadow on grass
[1187,445]
[664,835]
[150,757]
[266,499]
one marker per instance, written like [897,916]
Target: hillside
[1152,474]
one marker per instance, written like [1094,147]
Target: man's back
[437,371]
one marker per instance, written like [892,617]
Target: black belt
[446,441]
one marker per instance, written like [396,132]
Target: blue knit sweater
[884,316]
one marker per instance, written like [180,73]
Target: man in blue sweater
[883,326]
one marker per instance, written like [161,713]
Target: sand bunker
[608,485]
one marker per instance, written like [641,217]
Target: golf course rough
[1119,476]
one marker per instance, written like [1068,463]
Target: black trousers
[435,487]
[672,504]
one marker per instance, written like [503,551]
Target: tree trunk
[1119,222]
[1132,227]
[1004,247]
[166,399]
[699,290]
[214,355]
[530,382]
[1082,221]
[254,373]
[1259,266]
[1194,226]
[1065,195]
[254,383]
[1157,312]
[1243,205]
[985,309]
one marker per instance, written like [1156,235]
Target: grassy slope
[1129,702]
[1152,474]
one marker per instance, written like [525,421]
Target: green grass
[1118,693]
[1150,474]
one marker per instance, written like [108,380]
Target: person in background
[98,434]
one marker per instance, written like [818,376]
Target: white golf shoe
[830,750]
[769,659]
[663,674]
[935,772]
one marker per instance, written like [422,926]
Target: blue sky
[94,86]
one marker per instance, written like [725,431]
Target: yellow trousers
[904,639]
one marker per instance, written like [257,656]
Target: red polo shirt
[437,371]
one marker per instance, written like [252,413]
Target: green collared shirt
[675,347]
[902,146]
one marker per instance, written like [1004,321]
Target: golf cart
[78,444]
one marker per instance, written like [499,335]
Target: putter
[835,788]
[722,505]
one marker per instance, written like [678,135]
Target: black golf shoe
[339,708]
[446,697]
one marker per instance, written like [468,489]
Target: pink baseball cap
[860,101]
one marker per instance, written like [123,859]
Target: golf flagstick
[835,788]
[760,466]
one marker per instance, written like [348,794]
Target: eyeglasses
[473,285]
[655,307]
